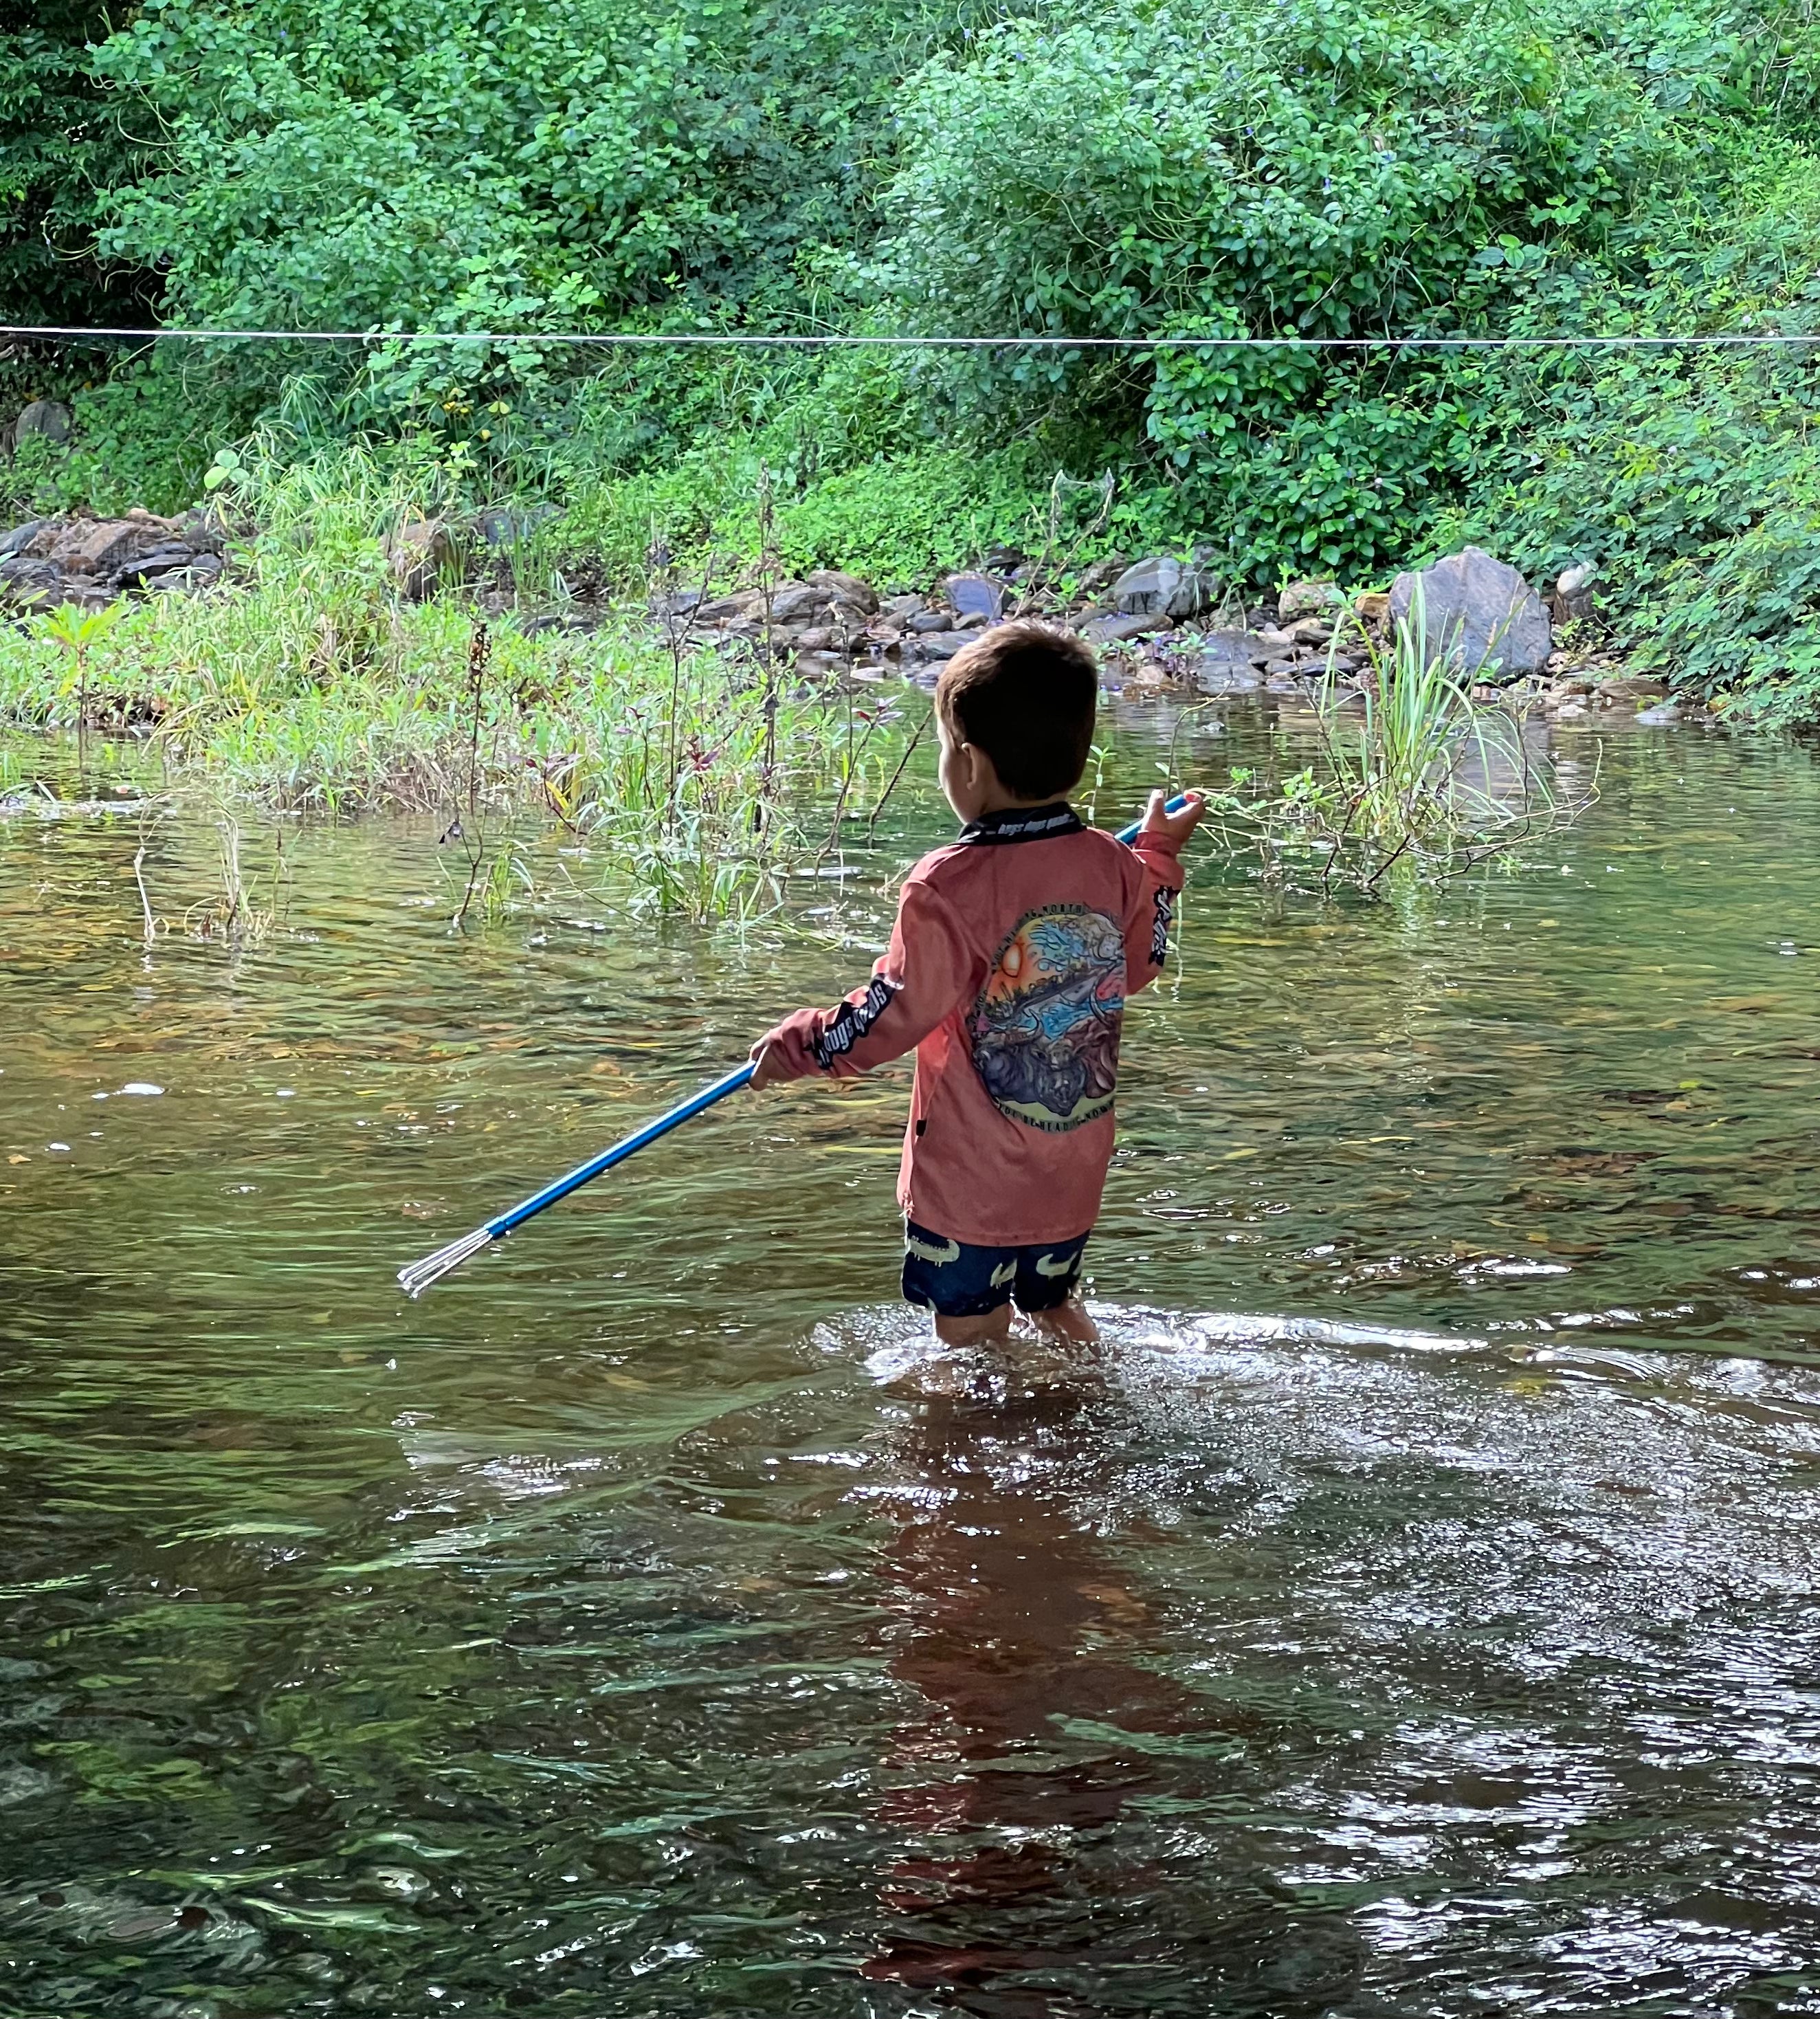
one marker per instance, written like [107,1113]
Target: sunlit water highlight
[1410,1610]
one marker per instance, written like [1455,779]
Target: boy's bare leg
[1069,1321]
[989,1329]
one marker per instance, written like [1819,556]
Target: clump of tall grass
[1414,774]
[689,771]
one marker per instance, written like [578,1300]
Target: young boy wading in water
[1014,952]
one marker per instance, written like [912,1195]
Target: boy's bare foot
[1069,1321]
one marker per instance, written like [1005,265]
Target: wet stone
[1118,629]
[941,645]
[975,597]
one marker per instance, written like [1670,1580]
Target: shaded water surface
[1411,1610]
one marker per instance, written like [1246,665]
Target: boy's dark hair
[1024,694]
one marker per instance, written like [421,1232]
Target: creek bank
[90,562]
[1161,622]
[1163,625]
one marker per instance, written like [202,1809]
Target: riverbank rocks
[839,587]
[90,562]
[1232,662]
[833,622]
[1479,615]
[1163,586]
[1300,600]
[1120,629]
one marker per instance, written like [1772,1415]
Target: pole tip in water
[415,1277]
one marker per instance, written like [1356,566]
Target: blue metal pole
[682,1112]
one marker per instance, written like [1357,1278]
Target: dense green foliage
[60,150]
[1177,168]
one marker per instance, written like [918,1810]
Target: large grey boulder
[49,418]
[1479,615]
[1163,586]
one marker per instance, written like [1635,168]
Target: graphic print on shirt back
[1044,1029]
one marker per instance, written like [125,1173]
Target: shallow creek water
[1411,1610]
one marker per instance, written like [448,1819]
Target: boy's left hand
[1176,826]
[783,1052]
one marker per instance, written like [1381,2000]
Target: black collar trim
[1021,824]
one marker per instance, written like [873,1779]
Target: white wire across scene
[627,340]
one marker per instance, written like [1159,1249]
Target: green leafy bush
[1137,169]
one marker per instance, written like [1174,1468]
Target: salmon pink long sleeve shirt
[1013,955]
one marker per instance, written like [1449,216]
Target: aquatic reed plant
[1414,774]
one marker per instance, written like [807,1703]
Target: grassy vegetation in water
[1414,778]
[695,775]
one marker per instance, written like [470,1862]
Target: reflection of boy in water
[1015,1623]
[1014,952]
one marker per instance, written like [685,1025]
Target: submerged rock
[1478,614]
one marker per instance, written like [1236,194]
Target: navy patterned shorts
[958,1280]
